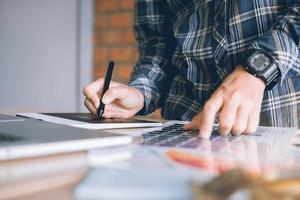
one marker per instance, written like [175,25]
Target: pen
[107,80]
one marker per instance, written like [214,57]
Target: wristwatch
[262,65]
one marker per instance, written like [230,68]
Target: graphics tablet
[89,121]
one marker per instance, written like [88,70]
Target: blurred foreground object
[236,184]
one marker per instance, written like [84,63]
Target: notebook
[89,121]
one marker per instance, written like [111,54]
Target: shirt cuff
[151,97]
[283,49]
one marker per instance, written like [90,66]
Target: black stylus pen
[107,80]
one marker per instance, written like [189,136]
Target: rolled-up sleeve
[151,75]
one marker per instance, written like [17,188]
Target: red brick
[110,37]
[135,55]
[121,20]
[101,21]
[128,37]
[101,54]
[99,71]
[96,38]
[107,5]
[114,38]
[123,71]
[120,53]
[127,4]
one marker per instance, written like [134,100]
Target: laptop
[268,148]
[173,135]
[21,138]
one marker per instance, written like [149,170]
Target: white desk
[51,177]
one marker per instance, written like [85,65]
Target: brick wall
[114,39]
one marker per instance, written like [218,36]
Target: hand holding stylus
[120,100]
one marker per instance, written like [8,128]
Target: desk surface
[51,177]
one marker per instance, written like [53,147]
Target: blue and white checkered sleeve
[282,41]
[150,75]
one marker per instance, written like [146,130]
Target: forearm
[155,43]
[282,42]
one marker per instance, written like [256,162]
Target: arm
[234,103]
[153,33]
[282,40]
[149,79]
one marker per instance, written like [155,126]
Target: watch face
[260,62]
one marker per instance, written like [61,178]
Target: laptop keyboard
[4,138]
[175,136]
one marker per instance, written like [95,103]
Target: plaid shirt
[188,47]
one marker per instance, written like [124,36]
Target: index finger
[94,90]
[209,112]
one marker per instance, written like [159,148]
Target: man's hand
[236,104]
[120,100]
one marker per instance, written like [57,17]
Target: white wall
[45,54]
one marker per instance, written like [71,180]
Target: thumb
[114,93]
[194,124]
